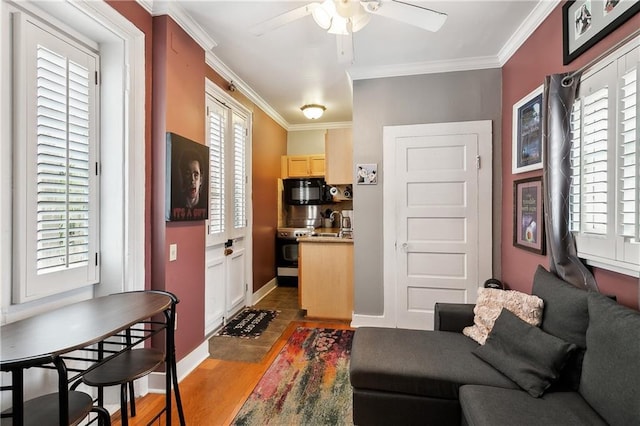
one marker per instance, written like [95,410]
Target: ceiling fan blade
[345,48]
[283,19]
[411,14]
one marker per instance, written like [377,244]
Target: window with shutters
[605,166]
[227,137]
[56,186]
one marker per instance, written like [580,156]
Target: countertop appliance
[306,191]
[287,254]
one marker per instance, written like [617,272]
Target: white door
[228,264]
[438,221]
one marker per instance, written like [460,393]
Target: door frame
[389,217]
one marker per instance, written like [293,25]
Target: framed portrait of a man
[187,187]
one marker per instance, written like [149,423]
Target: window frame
[610,250]
[29,284]
[122,45]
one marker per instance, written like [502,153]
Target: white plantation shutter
[629,167]
[594,162]
[239,171]
[576,166]
[63,162]
[57,190]
[217,118]
[604,196]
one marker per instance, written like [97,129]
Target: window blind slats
[217,118]
[628,170]
[63,181]
[239,171]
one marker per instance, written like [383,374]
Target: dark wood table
[45,338]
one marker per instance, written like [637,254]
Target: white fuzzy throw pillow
[491,302]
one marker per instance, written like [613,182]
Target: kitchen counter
[325,239]
[325,277]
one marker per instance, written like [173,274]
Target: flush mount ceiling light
[313,111]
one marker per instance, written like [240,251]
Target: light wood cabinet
[293,166]
[325,281]
[338,150]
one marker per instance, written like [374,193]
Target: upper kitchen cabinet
[294,166]
[338,150]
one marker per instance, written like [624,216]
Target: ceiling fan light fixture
[323,14]
[313,111]
[339,25]
[360,19]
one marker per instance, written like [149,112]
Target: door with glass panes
[227,264]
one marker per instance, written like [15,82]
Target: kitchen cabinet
[325,277]
[338,150]
[294,166]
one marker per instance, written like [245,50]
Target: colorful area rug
[307,384]
[248,324]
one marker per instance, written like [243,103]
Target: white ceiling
[298,63]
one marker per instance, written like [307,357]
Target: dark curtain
[560,91]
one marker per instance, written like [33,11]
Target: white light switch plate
[173,252]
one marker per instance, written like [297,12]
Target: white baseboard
[264,290]
[185,366]
[359,320]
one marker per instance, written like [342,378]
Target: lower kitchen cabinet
[325,279]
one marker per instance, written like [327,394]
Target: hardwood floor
[216,390]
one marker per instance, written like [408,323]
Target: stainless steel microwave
[306,191]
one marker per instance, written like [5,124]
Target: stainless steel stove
[293,233]
[287,254]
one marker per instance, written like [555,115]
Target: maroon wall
[539,56]
[178,107]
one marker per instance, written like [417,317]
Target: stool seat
[125,367]
[44,410]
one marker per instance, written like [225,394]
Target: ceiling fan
[344,17]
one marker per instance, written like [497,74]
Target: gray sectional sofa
[582,364]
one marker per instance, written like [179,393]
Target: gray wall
[430,98]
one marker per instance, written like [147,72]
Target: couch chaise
[580,366]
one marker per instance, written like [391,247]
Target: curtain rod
[566,81]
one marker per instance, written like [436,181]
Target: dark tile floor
[282,299]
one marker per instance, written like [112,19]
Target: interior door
[439,184]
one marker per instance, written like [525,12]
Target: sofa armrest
[453,316]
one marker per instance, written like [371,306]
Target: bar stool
[122,370]
[44,410]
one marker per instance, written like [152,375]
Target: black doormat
[248,324]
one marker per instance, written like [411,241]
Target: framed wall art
[586,22]
[528,217]
[527,133]
[367,174]
[187,183]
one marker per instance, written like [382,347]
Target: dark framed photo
[528,216]
[527,133]
[586,22]
[187,183]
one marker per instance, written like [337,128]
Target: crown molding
[146,5]
[320,126]
[182,18]
[528,26]
[432,67]
[225,72]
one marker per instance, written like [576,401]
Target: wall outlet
[173,252]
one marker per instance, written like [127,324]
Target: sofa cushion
[610,374]
[491,301]
[489,406]
[565,307]
[565,316]
[417,362]
[524,353]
